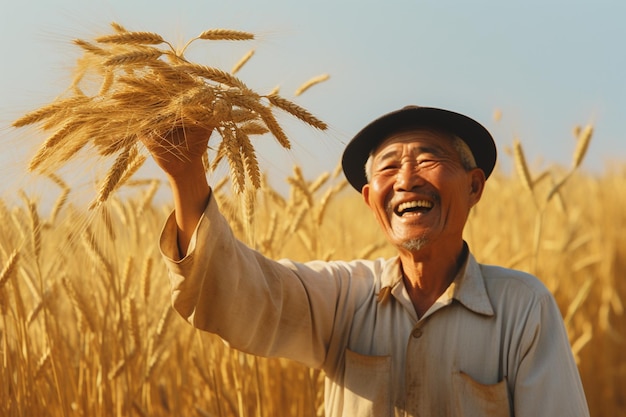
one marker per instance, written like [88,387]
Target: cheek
[376,195]
[381,184]
[460,199]
[379,193]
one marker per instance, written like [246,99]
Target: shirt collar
[468,287]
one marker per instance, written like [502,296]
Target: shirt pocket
[475,399]
[367,385]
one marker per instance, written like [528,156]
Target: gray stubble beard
[415,244]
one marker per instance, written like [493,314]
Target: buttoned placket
[417,356]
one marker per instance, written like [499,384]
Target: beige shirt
[493,344]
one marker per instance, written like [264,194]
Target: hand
[179,152]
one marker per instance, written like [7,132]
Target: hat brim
[477,137]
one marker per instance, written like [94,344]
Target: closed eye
[388,167]
[426,162]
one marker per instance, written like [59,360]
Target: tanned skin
[421,196]
[179,155]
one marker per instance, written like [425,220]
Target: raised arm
[179,154]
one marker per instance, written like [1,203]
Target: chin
[415,244]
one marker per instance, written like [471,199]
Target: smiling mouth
[420,206]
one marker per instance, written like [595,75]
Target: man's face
[419,191]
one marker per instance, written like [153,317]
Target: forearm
[178,153]
[191,194]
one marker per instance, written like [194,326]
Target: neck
[428,273]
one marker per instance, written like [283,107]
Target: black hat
[357,152]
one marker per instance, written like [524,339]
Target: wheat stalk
[217,75]
[127,273]
[132,38]
[114,175]
[117,369]
[253,127]
[52,142]
[225,34]
[273,126]
[147,197]
[242,62]
[148,89]
[32,316]
[521,165]
[134,57]
[298,183]
[249,159]
[146,274]
[235,161]
[9,268]
[311,82]
[331,192]
[581,145]
[90,47]
[319,182]
[272,195]
[34,223]
[118,28]
[43,361]
[248,212]
[95,252]
[270,233]
[45,112]
[130,310]
[157,339]
[296,111]
[81,306]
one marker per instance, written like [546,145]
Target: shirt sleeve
[257,305]
[547,382]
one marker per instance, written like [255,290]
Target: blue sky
[546,65]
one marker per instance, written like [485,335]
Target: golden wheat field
[86,328]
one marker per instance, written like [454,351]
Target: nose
[408,177]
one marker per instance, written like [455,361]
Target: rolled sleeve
[257,305]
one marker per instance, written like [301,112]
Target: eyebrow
[435,150]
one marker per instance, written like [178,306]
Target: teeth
[414,204]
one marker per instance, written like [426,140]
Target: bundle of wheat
[149,90]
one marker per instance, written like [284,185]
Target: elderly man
[430,332]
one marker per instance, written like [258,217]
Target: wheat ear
[114,175]
[242,62]
[135,57]
[521,165]
[50,110]
[9,268]
[582,145]
[235,161]
[132,38]
[249,159]
[296,111]
[90,47]
[310,83]
[225,34]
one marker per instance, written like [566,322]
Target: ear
[365,193]
[477,185]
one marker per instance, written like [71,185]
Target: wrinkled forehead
[423,137]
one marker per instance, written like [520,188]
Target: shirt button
[416,333]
